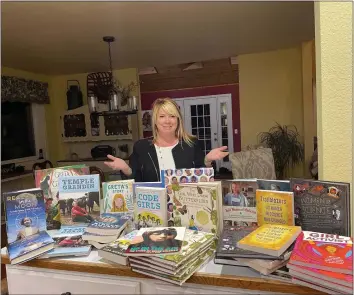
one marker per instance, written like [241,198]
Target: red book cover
[323,251]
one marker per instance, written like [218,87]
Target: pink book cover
[323,251]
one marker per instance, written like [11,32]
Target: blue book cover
[110,221]
[29,244]
[68,242]
[25,213]
[81,195]
[160,183]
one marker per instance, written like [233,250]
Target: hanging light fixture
[115,95]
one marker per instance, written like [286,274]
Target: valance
[18,89]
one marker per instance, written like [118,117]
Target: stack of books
[323,262]
[106,229]
[172,263]
[265,249]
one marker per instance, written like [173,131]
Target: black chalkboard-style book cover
[322,206]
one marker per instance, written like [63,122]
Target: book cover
[30,247]
[80,191]
[239,202]
[227,246]
[68,242]
[274,185]
[108,222]
[195,207]
[151,207]
[174,177]
[25,213]
[324,251]
[157,240]
[118,196]
[270,238]
[322,206]
[47,180]
[275,207]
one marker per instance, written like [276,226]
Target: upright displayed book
[239,202]
[174,177]
[47,180]
[196,206]
[156,241]
[322,206]
[274,185]
[270,239]
[151,207]
[26,225]
[323,251]
[68,241]
[80,191]
[275,207]
[118,196]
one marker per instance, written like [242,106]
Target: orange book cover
[271,236]
[275,207]
[324,251]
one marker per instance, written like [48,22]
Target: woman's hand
[216,154]
[118,164]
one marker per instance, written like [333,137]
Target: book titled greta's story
[157,240]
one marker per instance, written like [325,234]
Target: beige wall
[270,91]
[334,79]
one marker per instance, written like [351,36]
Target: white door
[200,117]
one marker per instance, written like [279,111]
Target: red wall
[148,98]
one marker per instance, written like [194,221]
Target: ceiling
[66,37]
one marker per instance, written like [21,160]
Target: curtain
[22,90]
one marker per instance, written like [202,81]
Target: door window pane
[193,110]
[200,110]
[194,122]
[206,110]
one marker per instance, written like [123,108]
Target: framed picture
[146,120]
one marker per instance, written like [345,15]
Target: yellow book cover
[270,237]
[275,207]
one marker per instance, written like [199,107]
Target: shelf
[115,113]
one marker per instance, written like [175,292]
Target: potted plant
[287,149]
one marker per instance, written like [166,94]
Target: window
[22,131]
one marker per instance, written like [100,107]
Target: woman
[171,147]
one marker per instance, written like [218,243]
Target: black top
[145,166]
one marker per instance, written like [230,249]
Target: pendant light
[115,96]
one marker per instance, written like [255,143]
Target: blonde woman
[171,147]
[119,204]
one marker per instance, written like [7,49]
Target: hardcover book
[151,207]
[25,213]
[270,239]
[68,242]
[275,207]
[118,196]
[227,246]
[323,251]
[30,247]
[157,240]
[239,202]
[47,180]
[108,223]
[322,206]
[174,177]
[274,185]
[83,192]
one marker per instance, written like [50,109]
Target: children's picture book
[322,206]
[118,196]
[68,242]
[274,185]
[83,193]
[270,239]
[109,223]
[30,247]
[195,206]
[239,202]
[324,251]
[157,240]
[151,207]
[174,177]
[47,180]
[275,207]
[25,213]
